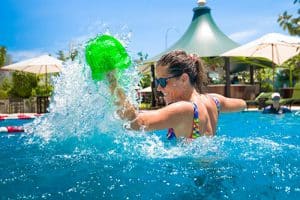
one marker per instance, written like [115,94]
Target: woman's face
[172,89]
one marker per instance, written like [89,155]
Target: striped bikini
[196,128]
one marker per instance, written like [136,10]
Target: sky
[29,28]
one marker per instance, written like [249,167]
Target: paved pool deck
[294,108]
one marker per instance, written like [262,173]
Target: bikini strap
[217,102]
[196,127]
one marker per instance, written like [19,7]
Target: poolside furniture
[241,91]
[286,92]
[290,101]
[296,95]
[261,100]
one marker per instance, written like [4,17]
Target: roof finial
[201,2]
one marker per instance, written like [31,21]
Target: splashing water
[82,142]
[81,108]
[79,105]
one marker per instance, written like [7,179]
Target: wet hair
[179,62]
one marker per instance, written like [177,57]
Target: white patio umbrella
[40,65]
[274,46]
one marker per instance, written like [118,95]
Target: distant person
[235,80]
[275,108]
[189,113]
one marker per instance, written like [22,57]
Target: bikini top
[217,102]
[196,128]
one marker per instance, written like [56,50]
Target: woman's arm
[125,109]
[230,104]
[174,115]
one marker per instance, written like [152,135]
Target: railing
[16,105]
[25,105]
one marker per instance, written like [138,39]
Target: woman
[188,113]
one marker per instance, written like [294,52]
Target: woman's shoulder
[214,95]
[176,108]
[180,106]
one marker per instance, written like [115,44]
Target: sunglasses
[163,81]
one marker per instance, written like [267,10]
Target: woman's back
[208,114]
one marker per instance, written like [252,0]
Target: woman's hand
[112,80]
[125,109]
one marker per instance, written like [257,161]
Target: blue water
[81,150]
[254,156]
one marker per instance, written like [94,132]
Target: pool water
[254,156]
[81,150]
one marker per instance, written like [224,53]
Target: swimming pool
[254,156]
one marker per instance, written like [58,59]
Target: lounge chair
[260,100]
[295,97]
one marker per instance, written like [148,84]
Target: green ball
[105,53]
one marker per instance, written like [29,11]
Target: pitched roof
[203,37]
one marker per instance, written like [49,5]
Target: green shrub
[41,90]
[266,86]
[5,87]
[23,83]
[6,84]
[3,94]
[145,80]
